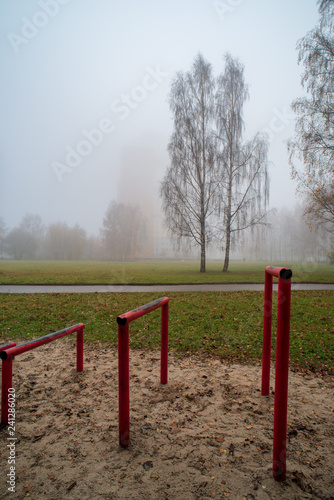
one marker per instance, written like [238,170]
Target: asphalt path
[212,287]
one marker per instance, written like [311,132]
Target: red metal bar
[267,318]
[13,350]
[123,385]
[281,379]
[284,275]
[141,311]
[80,350]
[123,361]
[7,346]
[164,345]
[280,272]
[32,344]
[6,384]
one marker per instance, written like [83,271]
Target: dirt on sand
[207,434]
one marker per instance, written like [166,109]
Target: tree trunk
[202,259]
[227,249]
[228,221]
[202,246]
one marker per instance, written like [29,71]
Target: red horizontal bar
[141,311]
[280,272]
[7,346]
[31,344]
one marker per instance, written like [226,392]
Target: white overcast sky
[67,65]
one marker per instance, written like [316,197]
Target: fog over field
[85,118]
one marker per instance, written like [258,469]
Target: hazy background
[85,57]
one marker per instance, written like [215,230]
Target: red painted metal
[280,272]
[141,311]
[267,319]
[281,380]
[164,344]
[8,354]
[123,361]
[6,384]
[123,385]
[80,349]
[32,344]
[282,361]
[7,346]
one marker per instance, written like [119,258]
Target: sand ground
[206,434]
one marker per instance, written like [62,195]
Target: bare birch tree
[188,188]
[313,144]
[213,175]
[242,167]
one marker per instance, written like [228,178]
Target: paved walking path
[214,287]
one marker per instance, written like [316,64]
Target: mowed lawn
[149,272]
[223,324]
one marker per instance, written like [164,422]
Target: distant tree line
[122,237]
[287,238]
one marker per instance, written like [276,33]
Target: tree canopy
[216,184]
[311,151]
[189,185]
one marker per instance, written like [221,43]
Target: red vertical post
[80,350]
[123,385]
[281,379]
[164,345]
[6,384]
[267,319]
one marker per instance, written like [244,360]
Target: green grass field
[223,324]
[149,272]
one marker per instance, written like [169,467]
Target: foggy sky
[84,86]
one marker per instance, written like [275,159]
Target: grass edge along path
[227,325]
[150,272]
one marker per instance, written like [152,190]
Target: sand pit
[207,434]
